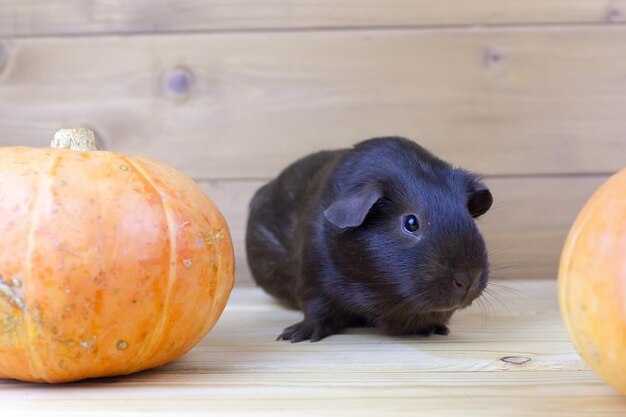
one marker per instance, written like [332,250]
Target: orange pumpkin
[592,282]
[109,264]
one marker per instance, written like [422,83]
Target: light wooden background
[531,93]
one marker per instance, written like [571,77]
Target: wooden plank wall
[531,93]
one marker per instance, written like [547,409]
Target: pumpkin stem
[74,139]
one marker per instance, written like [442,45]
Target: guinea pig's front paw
[435,328]
[432,329]
[441,329]
[312,329]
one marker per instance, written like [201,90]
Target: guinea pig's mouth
[465,305]
[462,304]
[469,299]
[444,309]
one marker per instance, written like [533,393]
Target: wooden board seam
[328,29]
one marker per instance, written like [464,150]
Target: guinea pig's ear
[480,199]
[351,210]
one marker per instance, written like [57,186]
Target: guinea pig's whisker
[497,251]
[508,287]
[498,299]
[500,272]
[504,266]
[487,301]
[516,263]
[489,311]
[503,205]
[483,313]
[403,303]
[506,249]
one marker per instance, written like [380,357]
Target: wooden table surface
[513,360]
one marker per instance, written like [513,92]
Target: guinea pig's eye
[410,223]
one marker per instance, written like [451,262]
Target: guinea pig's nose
[462,281]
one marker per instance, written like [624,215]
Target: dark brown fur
[327,236]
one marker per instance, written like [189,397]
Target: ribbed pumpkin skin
[109,264]
[592,282]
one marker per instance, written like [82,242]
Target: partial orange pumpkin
[592,282]
[109,264]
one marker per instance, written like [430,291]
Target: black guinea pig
[381,234]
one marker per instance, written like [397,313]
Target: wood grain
[525,229]
[514,361]
[505,101]
[37,17]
